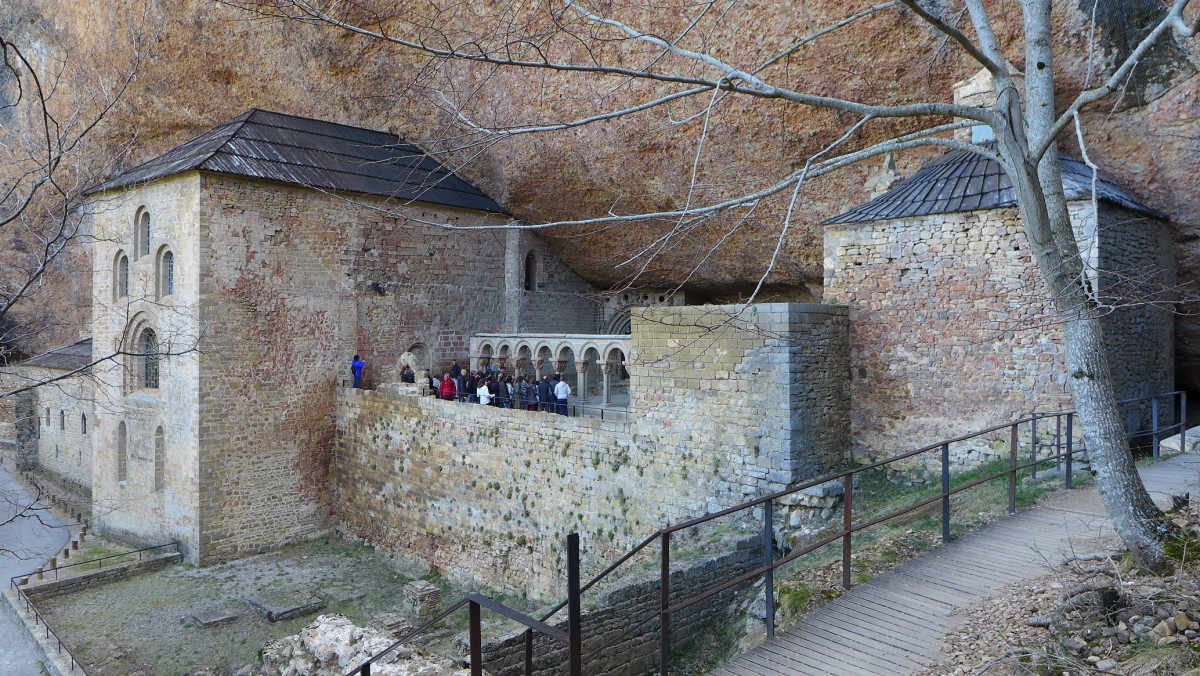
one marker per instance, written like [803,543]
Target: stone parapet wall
[41,590]
[768,379]
[489,494]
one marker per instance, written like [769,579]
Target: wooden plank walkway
[895,623]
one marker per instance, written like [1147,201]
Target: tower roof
[313,153]
[962,180]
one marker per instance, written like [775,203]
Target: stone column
[538,365]
[560,365]
[581,368]
[606,368]
[503,362]
[520,365]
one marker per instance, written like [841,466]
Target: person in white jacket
[485,397]
[561,392]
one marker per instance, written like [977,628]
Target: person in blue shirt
[356,368]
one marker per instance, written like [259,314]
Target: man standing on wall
[561,392]
[356,369]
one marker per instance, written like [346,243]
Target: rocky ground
[1096,614]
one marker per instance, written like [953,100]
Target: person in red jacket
[448,388]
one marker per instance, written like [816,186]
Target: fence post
[1033,447]
[847,524]
[1058,448]
[769,561]
[1154,426]
[574,610]
[366,669]
[1183,422]
[1070,449]
[664,616]
[476,641]
[1012,471]
[528,652]
[945,493]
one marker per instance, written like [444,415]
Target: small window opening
[122,453]
[144,233]
[83,423]
[168,280]
[148,347]
[159,459]
[121,278]
[531,280]
[62,420]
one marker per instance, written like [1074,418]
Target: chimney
[979,90]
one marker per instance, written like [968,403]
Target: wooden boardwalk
[895,623]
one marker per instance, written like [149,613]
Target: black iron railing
[39,621]
[1061,448]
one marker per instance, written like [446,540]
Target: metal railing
[1061,450]
[38,620]
[572,637]
[100,561]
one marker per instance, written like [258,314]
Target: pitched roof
[312,153]
[962,180]
[69,358]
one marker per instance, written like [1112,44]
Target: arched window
[83,423]
[531,280]
[121,277]
[62,420]
[122,453]
[148,360]
[159,458]
[143,235]
[167,283]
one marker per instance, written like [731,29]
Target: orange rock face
[207,61]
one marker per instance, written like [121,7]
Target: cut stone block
[213,618]
[423,599]
[285,607]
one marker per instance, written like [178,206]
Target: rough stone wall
[490,494]
[63,447]
[620,638]
[562,302]
[295,283]
[136,509]
[768,379]
[952,328]
[1137,270]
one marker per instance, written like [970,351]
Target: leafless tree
[680,62]
[54,101]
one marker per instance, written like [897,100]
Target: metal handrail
[38,619]
[770,563]
[573,637]
[99,561]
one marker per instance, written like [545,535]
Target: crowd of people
[494,387]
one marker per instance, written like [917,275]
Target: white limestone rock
[333,645]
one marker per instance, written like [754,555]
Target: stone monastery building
[238,273]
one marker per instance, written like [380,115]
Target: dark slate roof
[962,180]
[323,155]
[69,358]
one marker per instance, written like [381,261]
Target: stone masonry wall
[1137,271]
[297,282]
[769,379]
[64,447]
[142,509]
[951,324]
[490,494]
